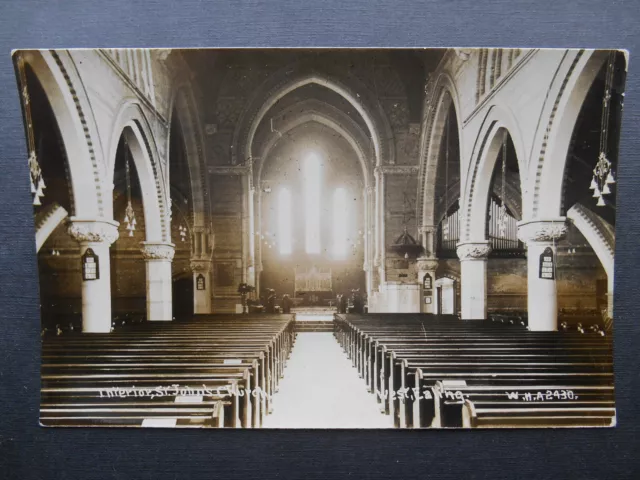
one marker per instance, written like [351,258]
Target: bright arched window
[284,222]
[311,182]
[340,223]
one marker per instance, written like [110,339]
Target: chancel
[324,238]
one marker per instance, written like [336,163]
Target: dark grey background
[29,451]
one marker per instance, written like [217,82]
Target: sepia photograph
[324,238]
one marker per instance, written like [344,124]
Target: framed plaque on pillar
[547,264]
[427,282]
[200,282]
[90,265]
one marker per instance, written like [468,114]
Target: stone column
[427,266]
[428,240]
[201,286]
[610,295]
[246,193]
[250,234]
[380,225]
[473,272]
[368,231]
[158,257]
[97,235]
[542,295]
[258,242]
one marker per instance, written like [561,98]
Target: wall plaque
[426,282]
[200,282]
[547,264]
[90,265]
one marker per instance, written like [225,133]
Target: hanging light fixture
[405,245]
[502,211]
[129,214]
[183,232]
[37,180]
[603,175]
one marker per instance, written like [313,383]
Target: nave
[197,210]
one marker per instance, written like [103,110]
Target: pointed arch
[576,74]
[362,101]
[597,232]
[329,121]
[185,107]
[483,160]
[77,129]
[131,123]
[444,97]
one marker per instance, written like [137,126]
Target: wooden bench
[212,371]
[453,399]
[404,357]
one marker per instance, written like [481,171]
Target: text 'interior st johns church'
[324,238]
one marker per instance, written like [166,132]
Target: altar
[313,286]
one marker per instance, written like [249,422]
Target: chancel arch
[376,122]
[332,118]
[286,168]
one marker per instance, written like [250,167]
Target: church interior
[290,238]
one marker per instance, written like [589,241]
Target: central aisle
[321,389]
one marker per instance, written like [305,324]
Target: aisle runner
[321,389]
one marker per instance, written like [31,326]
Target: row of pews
[211,371]
[439,371]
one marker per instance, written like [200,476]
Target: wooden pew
[455,401]
[234,361]
[134,414]
[403,357]
[478,416]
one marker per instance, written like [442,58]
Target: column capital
[201,229]
[157,251]
[85,230]
[428,228]
[542,230]
[427,264]
[473,250]
[200,266]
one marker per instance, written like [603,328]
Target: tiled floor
[321,389]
